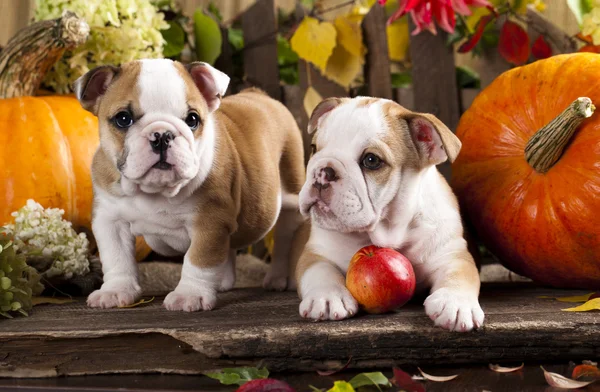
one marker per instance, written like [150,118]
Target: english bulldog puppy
[372,179]
[192,172]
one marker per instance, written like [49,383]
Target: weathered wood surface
[377,67]
[251,327]
[260,51]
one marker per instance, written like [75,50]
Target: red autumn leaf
[541,48]
[474,39]
[589,372]
[585,38]
[381,2]
[405,382]
[513,44]
[590,48]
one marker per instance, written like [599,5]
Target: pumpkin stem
[30,54]
[547,145]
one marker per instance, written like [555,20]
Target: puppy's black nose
[329,174]
[161,142]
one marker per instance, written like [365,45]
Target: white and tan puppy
[192,173]
[372,179]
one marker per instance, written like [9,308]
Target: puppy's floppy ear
[319,112]
[434,141]
[211,82]
[90,87]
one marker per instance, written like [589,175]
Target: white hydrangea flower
[43,233]
[120,31]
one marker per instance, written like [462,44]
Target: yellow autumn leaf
[314,41]
[350,35]
[592,304]
[331,9]
[311,99]
[341,386]
[50,300]
[343,67]
[398,38]
[140,302]
[475,16]
[575,298]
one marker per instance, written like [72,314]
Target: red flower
[423,12]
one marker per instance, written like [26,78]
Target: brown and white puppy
[192,173]
[372,179]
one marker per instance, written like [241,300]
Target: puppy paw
[331,303]
[111,299]
[274,283]
[190,301]
[454,310]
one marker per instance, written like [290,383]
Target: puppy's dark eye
[123,119]
[192,120]
[313,149]
[371,161]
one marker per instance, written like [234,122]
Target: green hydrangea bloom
[120,31]
[18,281]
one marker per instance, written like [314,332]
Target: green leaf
[289,75]
[208,37]
[580,8]
[341,386]
[285,54]
[467,78]
[239,376]
[375,378]
[403,79]
[175,39]
[236,38]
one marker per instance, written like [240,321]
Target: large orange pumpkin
[538,211]
[46,142]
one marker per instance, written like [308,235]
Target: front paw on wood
[190,302]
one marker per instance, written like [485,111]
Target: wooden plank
[14,15]
[250,326]
[405,97]
[293,99]
[377,67]
[434,79]
[260,47]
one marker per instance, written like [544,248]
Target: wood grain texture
[14,15]
[434,80]
[260,47]
[377,67]
[251,327]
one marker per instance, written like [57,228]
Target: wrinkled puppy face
[365,150]
[155,120]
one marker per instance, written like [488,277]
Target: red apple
[380,279]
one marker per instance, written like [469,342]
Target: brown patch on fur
[367,101]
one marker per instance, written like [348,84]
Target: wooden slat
[293,99]
[377,67]
[254,327]
[14,15]
[434,79]
[260,52]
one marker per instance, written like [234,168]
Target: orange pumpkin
[528,174]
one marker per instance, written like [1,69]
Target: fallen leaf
[592,304]
[364,379]
[541,48]
[556,380]
[343,67]
[311,99]
[341,386]
[350,36]
[398,39]
[437,378]
[314,41]
[50,300]
[513,44]
[239,376]
[501,369]
[590,372]
[330,372]
[140,302]
[406,383]
[586,362]
[574,298]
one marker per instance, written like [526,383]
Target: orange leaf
[590,372]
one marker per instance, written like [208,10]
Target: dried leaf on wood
[406,383]
[558,381]
[592,304]
[502,369]
[140,302]
[437,378]
[589,372]
[330,372]
[574,298]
